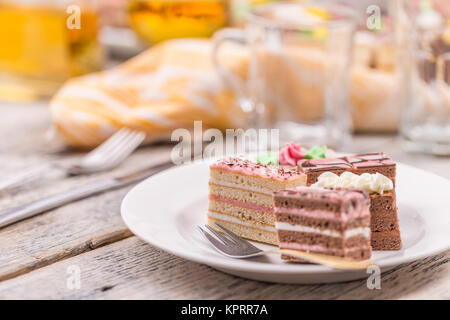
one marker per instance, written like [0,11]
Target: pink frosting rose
[291,153]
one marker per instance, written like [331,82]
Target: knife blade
[12,215]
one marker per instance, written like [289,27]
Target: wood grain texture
[35,253]
[67,231]
[132,269]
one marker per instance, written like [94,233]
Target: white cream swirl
[371,183]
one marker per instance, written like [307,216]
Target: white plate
[165,209]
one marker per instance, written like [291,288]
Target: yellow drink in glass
[38,51]
[158,20]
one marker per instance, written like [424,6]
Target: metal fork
[233,246]
[106,156]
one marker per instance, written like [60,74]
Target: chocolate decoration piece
[368,158]
[333,164]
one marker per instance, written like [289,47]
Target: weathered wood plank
[23,128]
[131,269]
[69,230]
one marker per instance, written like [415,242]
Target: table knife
[10,216]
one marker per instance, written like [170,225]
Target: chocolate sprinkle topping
[257,168]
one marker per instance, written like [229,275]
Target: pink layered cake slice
[240,196]
[331,222]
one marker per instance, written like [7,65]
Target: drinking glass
[298,73]
[426,120]
[425,125]
[45,42]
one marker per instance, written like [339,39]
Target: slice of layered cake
[385,232]
[331,222]
[240,196]
[384,225]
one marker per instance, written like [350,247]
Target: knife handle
[12,215]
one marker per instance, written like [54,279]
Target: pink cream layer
[317,248]
[238,203]
[249,168]
[323,214]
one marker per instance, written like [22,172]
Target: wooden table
[38,255]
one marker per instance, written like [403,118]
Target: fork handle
[12,215]
[25,177]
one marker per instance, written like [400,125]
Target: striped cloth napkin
[169,86]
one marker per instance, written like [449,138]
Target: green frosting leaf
[267,158]
[316,152]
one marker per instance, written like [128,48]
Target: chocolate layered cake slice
[240,196]
[385,232]
[331,222]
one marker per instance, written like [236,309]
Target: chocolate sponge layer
[386,240]
[308,238]
[384,225]
[383,203]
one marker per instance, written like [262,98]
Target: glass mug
[298,72]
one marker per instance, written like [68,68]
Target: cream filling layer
[317,247]
[365,232]
[232,185]
[248,205]
[228,218]
[371,183]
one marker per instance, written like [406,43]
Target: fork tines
[110,153]
[227,242]
[105,157]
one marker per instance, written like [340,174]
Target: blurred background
[102,65]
